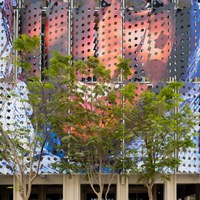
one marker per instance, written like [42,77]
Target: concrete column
[170,189]
[122,188]
[16,195]
[71,187]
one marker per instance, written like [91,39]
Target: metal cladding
[162,42]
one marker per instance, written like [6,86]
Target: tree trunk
[99,196]
[150,193]
[23,197]
[22,192]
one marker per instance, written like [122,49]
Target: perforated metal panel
[14,112]
[6,35]
[178,61]
[193,69]
[56,30]
[191,158]
[30,24]
[83,31]
[148,41]
[109,35]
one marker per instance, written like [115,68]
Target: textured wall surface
[163,43]
[14,111]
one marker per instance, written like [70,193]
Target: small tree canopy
[94,130]
[36,107]
[164,128]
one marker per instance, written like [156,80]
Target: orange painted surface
[148,41]
[110,35]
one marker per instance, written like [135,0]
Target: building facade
[162,40]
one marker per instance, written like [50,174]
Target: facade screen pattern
[83,34]
[191,159]
[158,43]
[148,42]
[144,36]
[6,35]
[83,31]
[14,115]
[14,110]
[178,60]
[55,30]
[30,24]
[6,68]
[193,70]
[109,35]
[162,44]
[190,57]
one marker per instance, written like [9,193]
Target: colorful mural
[6,33]
[14,111]
[162,42]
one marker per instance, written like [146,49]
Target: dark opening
[50,192]
[6,192]
[188,190]
[139,192]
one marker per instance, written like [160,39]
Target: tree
[58,101]
[94,130]
[18,144]
[161,127]
[36,109]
